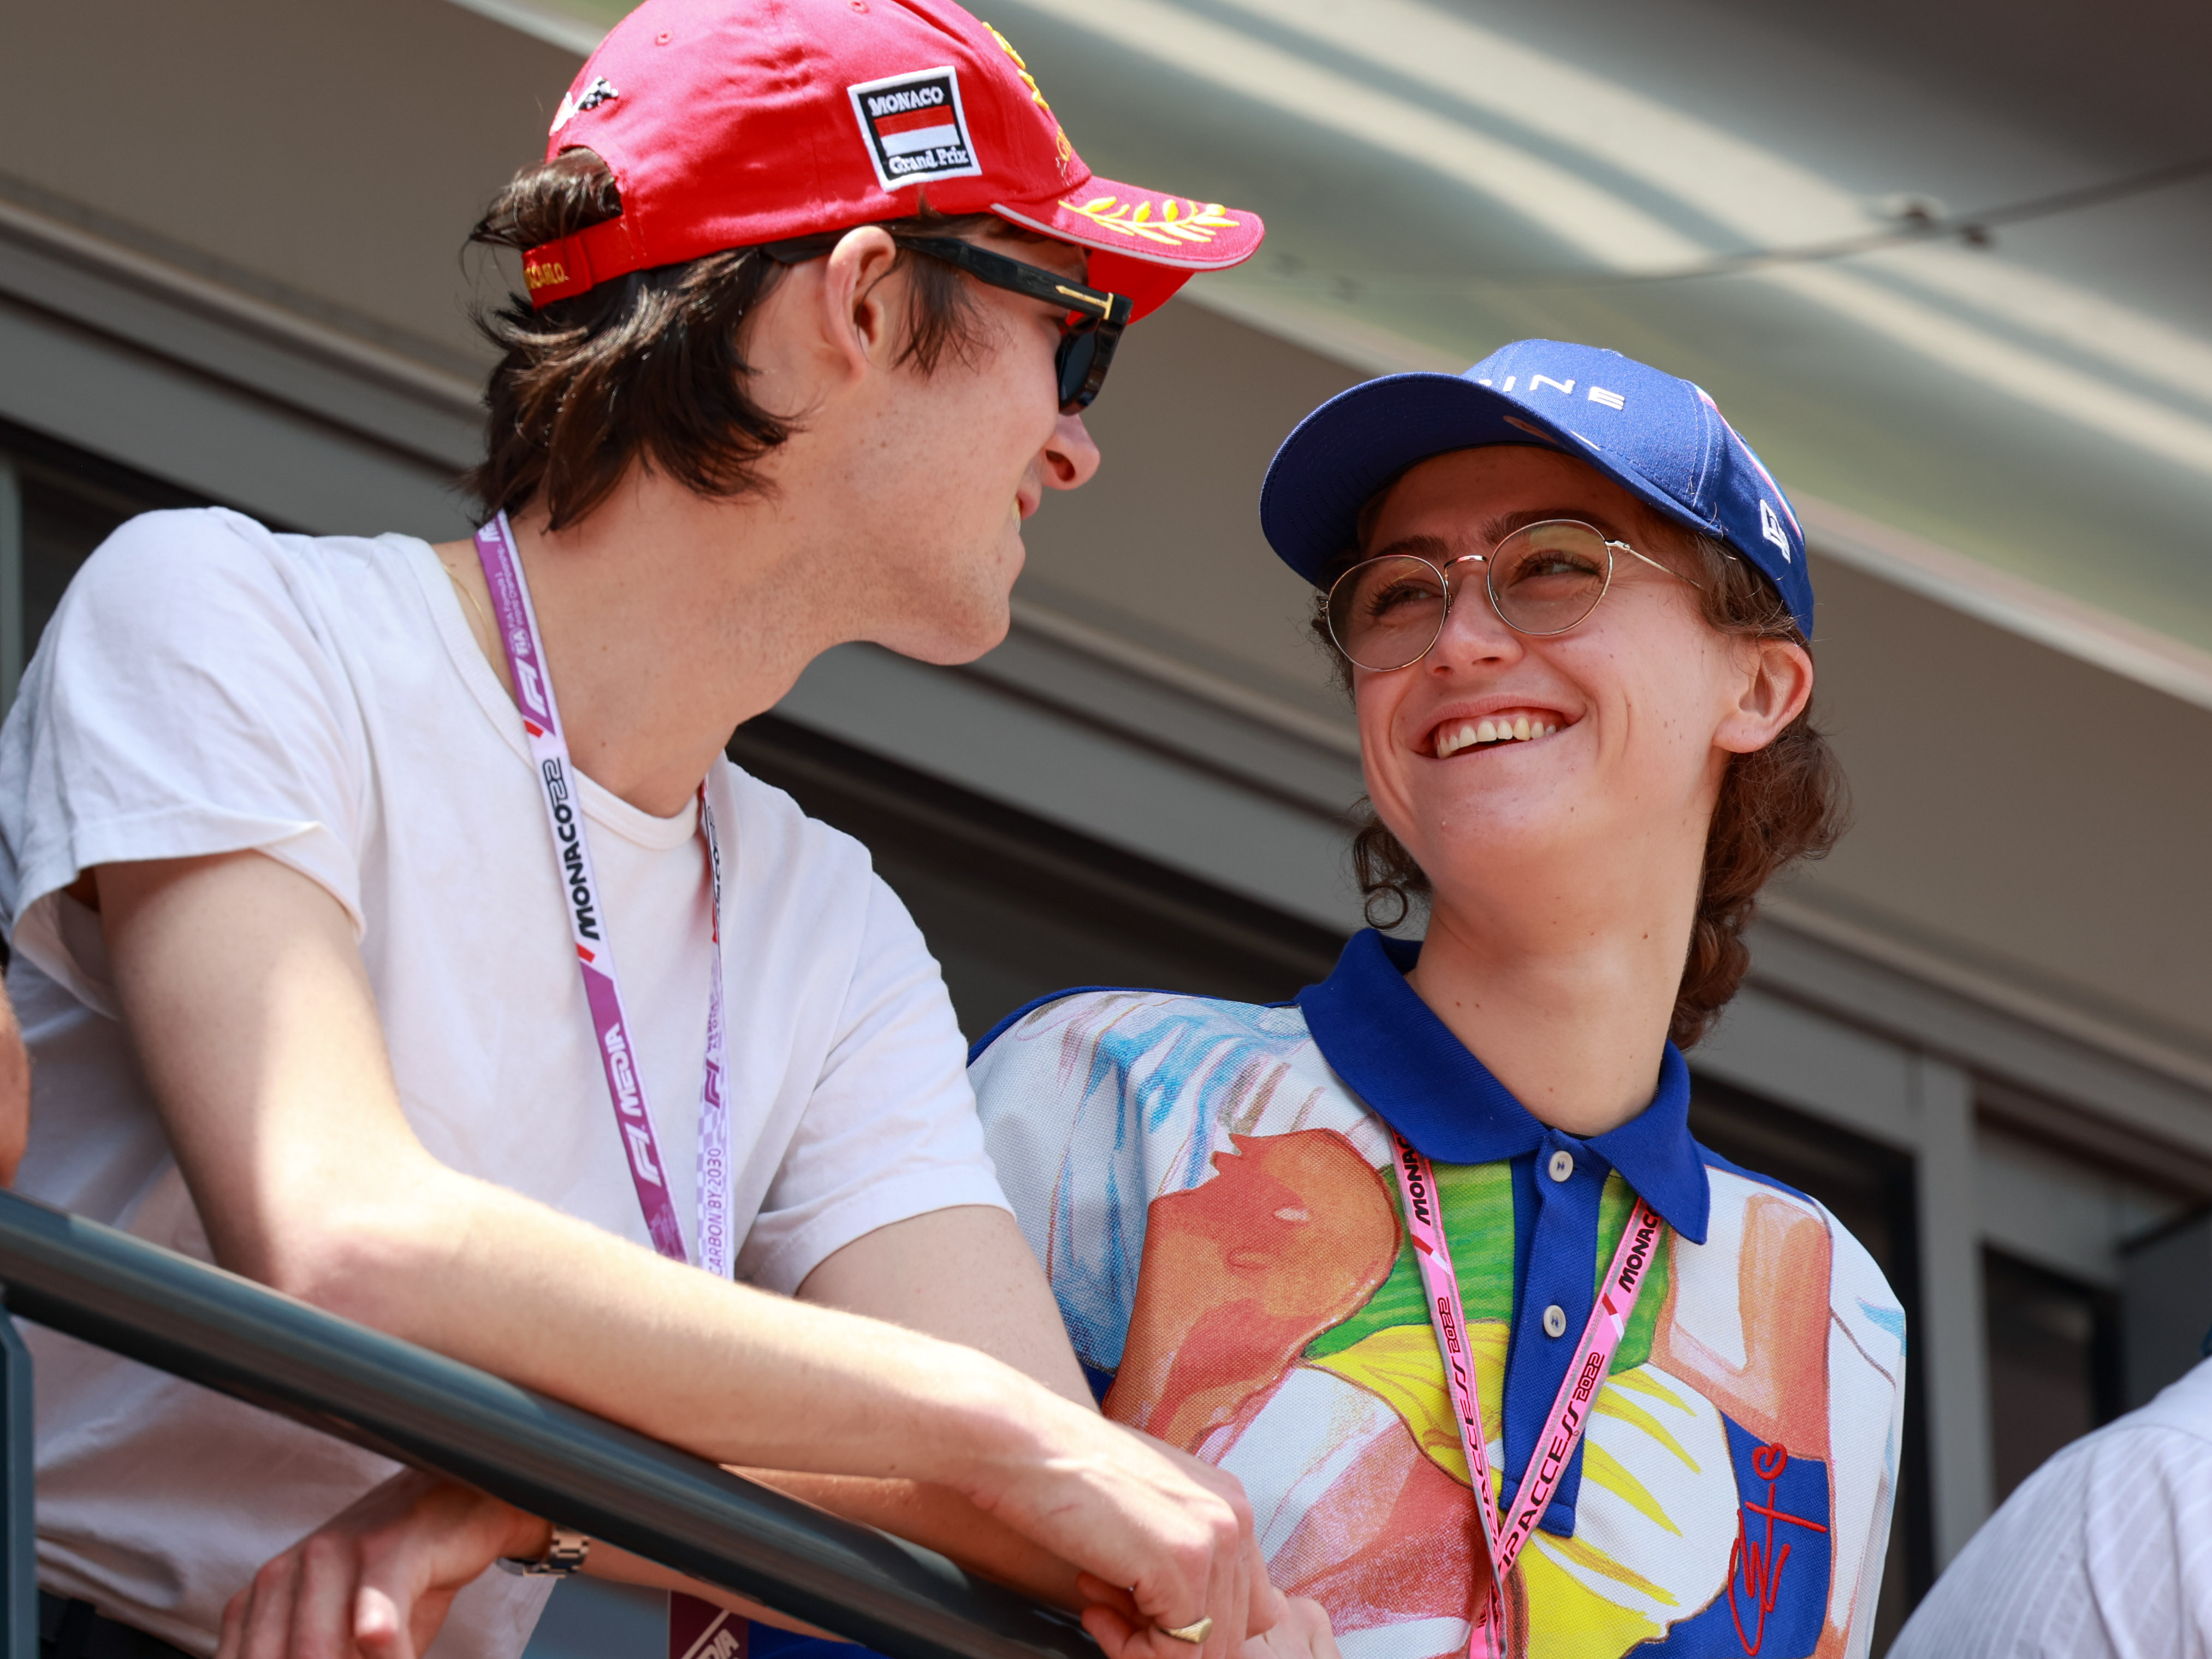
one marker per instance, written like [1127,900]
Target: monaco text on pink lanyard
[1505,1535]
[587,928]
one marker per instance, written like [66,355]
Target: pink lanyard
[1563,1429]
[564,815]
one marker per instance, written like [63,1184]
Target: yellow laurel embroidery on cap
[1062,149]
[1178,220]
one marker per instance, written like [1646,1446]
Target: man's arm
[377,1580]
[252,1015]
[387,1569]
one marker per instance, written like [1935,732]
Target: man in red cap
[391,927]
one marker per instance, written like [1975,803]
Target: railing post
[19,1566]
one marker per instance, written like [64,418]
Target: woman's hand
[377,1580]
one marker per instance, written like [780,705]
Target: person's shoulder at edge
[2094,1553]
[2182,1410]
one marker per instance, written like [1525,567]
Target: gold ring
[1192,1634]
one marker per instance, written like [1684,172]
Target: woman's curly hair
[1777,805]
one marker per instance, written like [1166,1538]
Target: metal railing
[227,1333]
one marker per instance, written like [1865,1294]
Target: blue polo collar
[1389,1046]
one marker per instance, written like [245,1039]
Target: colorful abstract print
[1215,1211]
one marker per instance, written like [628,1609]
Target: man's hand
[377,1580]
[1084,1490]
[1165,1536]
[1300,1628]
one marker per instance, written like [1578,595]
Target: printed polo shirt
[1208,1185]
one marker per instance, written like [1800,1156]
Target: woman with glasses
[1506,1361]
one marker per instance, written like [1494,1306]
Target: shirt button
[1555,1316]
[1562,1164]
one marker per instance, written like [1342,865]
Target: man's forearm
[941,1519]
[734,1374]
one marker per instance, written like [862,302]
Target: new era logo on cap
[1770,526]
[914,127]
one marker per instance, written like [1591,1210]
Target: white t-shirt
[2104,1553]
[206,686]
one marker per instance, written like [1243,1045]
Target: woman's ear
[1776,683]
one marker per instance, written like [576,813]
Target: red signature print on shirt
[1757,1568]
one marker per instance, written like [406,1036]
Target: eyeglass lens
[1387,612]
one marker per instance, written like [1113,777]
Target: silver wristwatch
[564,1555]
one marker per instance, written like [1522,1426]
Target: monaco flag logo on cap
[914,128]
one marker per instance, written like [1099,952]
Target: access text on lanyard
[1504,1535]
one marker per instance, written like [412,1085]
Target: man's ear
[1776,683]
[854,315]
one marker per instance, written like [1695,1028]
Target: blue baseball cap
[1660,438]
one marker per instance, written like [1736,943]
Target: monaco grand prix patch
[914,127]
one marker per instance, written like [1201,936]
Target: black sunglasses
[1088,335]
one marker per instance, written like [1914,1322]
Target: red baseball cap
[728,123]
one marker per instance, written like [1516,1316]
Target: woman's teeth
[1518,729]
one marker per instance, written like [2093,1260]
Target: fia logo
[533,688]
[1771,527]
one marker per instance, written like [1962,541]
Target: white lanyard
[587,928]
[1504,1536]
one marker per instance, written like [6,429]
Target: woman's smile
[1459,733]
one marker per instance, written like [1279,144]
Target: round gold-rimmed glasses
[1542,580]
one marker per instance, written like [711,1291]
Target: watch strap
[564,1553]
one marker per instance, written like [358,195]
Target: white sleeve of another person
[2106,1550]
